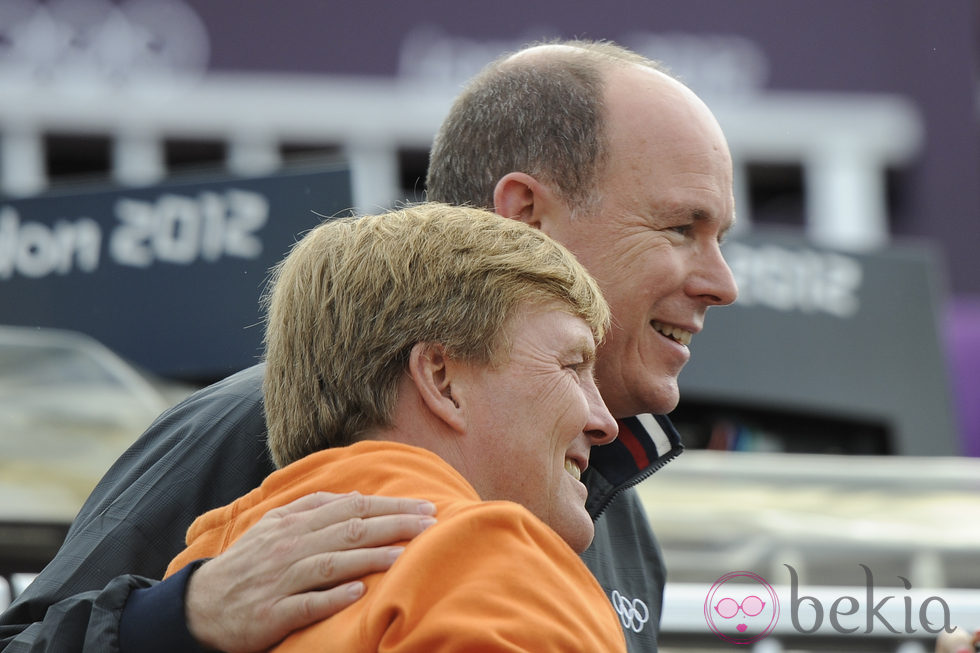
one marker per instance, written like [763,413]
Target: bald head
[597,52]
[649,115]
[538,111]
[662,205]
[625,166]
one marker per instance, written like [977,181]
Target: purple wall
[918,48]
[922,49]
[963,336]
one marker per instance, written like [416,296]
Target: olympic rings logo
[107,42]
[634,614]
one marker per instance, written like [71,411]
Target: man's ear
[522,197]
[432,372]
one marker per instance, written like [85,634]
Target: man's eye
[682,229]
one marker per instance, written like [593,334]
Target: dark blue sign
[168,276]
[843,335]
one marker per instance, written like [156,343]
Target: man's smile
[675,333]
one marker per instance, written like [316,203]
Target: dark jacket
[98,593]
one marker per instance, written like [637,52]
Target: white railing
[843,142]
[12,587]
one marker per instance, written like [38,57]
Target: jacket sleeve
[203,453]
[93,621]
[75,623]
[153,619]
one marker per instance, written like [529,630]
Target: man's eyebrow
[723,234]
[700,215]
[695,214]
[583,347]
[588,351]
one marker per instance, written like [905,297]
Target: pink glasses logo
[751,606]
[741,607]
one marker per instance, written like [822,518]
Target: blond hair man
[601,150]
[441,353]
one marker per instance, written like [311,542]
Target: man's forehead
[571,333]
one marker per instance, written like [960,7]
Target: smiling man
[589,142]
[664,202]
[472,339]
[626,167]
[552,359]
[645,210]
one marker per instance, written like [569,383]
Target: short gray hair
[537,112]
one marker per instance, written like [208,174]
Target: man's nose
[712,280]
[602,427]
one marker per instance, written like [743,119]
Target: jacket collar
[645,444]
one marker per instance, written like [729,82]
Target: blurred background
[157,156]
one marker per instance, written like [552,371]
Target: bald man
[589,142]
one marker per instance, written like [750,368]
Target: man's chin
[577,530]
[659,399]
[580,541]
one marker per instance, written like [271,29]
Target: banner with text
[168,276]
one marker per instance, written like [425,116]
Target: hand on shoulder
[298,565]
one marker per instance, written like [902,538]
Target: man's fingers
[329,569]
[308,502]
[364,506]
[356,504]
[371,532]
[333,555]
[299,611]
[324,509]
[311,604]
[295,565]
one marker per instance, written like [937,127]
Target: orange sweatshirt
[489,576]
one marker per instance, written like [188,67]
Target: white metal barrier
[844,143]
